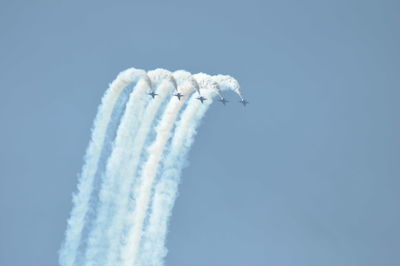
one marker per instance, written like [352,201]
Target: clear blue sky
[306,175]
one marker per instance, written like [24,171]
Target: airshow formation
[142,132]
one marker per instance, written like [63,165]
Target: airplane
[223,100]
[244,102]
[201,99]
[179,95]
[152,94]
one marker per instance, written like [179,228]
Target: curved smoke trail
[166,85]
[149,170]
[132,167]
[227,82]
[153,249]
[81,199]
[126,132]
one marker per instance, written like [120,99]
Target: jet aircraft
[223,100]
[152,94]
[244,102]
[179,95]
[201,99]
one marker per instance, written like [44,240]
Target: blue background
[307,174]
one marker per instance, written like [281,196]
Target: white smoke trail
[152,251]
[149,170]
[81,199]
[195,85]
[121,226]
[227,82]
[126,174]
[97,242]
